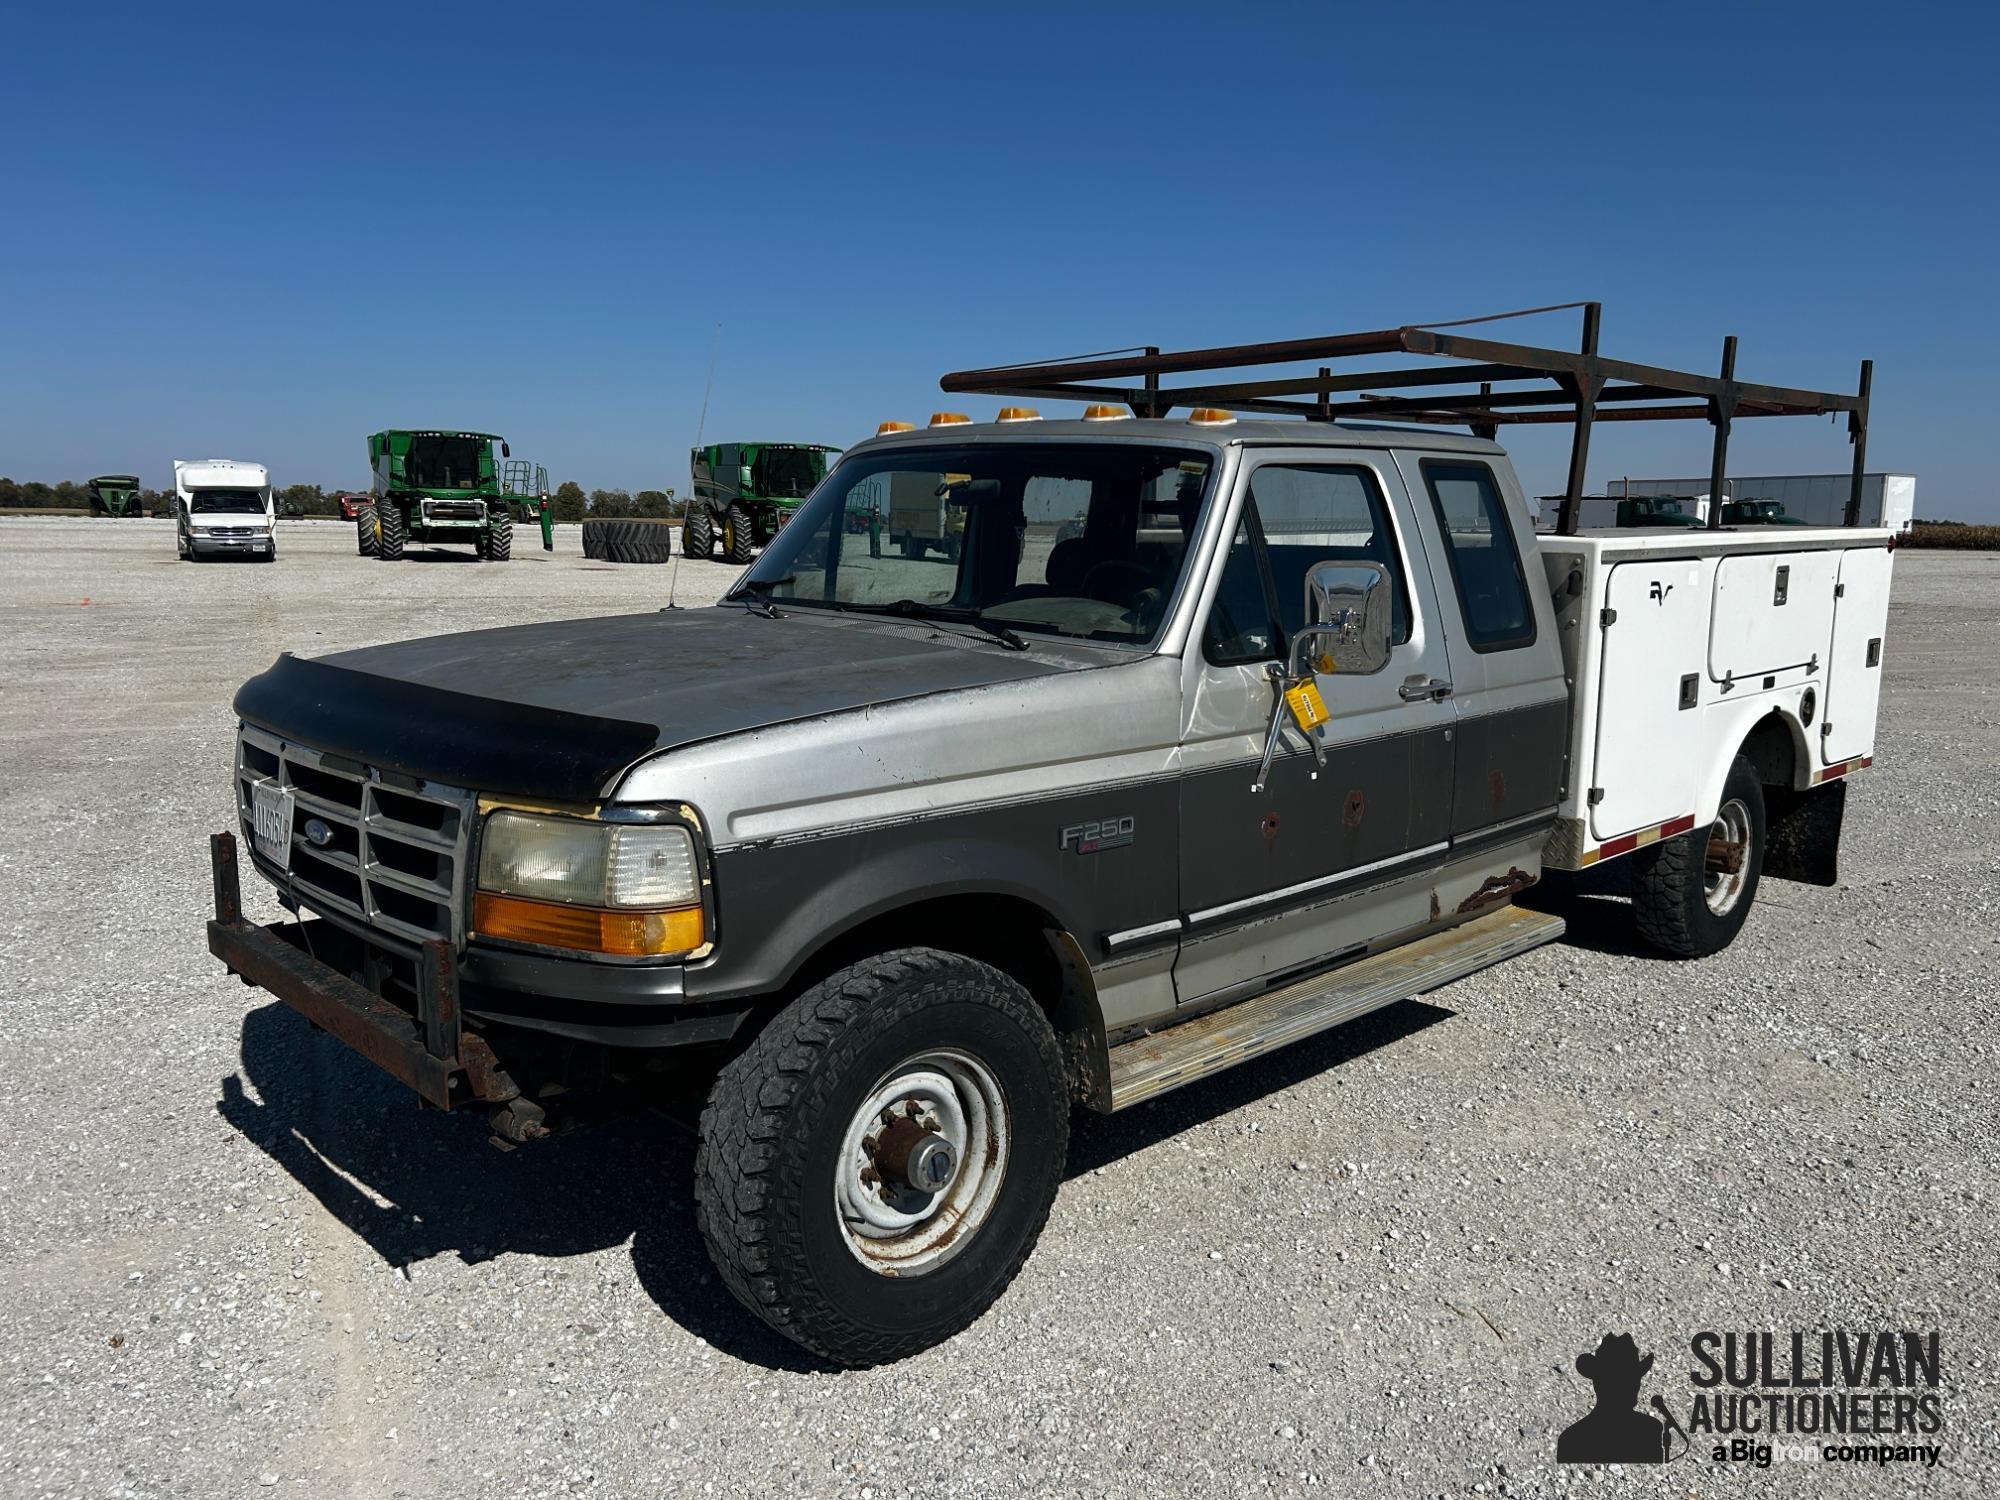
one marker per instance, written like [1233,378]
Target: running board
[1148,1066]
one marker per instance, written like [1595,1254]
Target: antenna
[709,387]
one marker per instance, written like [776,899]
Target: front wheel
[499,540]
[1692,894]
[392,528]
[739,535]
[364,530]
[875,1168]
[698,532]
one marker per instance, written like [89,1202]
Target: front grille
[233,531]
[396,855]
[454,510]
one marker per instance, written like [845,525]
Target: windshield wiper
[912,609]
[759,592]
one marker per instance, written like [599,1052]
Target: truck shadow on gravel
[416,1184]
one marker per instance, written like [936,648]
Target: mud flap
[1802,833]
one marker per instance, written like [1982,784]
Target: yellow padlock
[1307,706]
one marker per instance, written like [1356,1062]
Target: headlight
[631,889]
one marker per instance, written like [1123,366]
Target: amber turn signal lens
[1105,414]
[1210,416]
[888,427]
[1019,414]
[949,419]
[624,934]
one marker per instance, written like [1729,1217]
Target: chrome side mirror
[1348,607]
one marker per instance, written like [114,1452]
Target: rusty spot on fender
[1497,888]
[1496,784]
[1270,825]
[1356,809]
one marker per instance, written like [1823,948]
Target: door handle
[1417,689]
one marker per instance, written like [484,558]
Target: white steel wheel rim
[906,1231]
[1722,889]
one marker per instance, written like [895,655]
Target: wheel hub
[921,1162]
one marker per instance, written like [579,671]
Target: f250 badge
[1104,833]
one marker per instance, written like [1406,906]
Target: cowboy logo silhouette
[1614,1432]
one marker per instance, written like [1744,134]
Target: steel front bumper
[427,1051]
[260,542]
[429,1047]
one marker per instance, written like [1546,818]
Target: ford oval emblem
[318,834]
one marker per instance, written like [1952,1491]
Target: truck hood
[561,710]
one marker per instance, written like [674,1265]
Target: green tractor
[433,486]
[743,492]
[1756,511]
[116,495]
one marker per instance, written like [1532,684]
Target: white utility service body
[1680,645]
[223,507]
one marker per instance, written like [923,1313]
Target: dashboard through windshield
[1081,539]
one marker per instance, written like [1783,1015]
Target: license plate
[271,821]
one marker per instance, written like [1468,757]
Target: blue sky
[266,231]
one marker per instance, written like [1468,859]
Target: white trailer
[1887,500]
[223,507]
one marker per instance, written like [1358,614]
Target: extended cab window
[1306,514]
[1485,565]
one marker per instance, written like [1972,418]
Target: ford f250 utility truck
[1218,729]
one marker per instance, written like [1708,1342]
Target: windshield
[788,473]
[444,463]
[225,502]
[1080,539]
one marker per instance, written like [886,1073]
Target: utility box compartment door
[1649,745]
[1773,614]
[1854,662]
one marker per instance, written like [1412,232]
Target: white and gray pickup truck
[1215,731]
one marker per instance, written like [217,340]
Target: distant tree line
[570,502]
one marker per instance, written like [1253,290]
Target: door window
[1485,565]
[1304,515]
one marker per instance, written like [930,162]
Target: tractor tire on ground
[1692,894]
[364,531]
[874,1169]
[390,536]
[640,541]
[698,532]
[739,535]
[499,538]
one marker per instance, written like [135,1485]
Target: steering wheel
[1117,580]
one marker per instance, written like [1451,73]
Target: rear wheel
[875,1168]
[1691,895]
[391,532]
[499,538]
[364,530]
[739,535]
[698,532]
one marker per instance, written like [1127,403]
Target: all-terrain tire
[500,537]
[364,531]
[739,536]
[390,538]
[698,532]
[774,1129]
[1673,901]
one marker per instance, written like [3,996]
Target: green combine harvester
[743,492]
[116,495]
[433,486]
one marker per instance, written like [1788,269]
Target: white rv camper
[223,506]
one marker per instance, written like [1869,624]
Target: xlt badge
[1103,833]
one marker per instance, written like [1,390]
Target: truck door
[1505,673]
[1854,663]
[1319,861]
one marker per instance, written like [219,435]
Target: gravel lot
[238,1261]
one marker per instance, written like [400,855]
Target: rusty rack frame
[1579,386]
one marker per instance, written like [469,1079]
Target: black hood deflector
[560,710]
